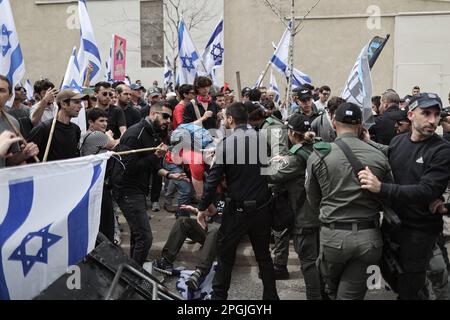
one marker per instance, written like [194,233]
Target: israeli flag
[213,54]
[88,53]
[274,87]
[11,60]
[74,81]
[30,90]
[190,61]
[280,60]
[49,220]
[358,88]
[108,74]
[204,291]
[168,74]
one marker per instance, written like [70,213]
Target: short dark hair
[238,112]
[184,89]
[416,88]
[376,100]
[334,103]
[43,85]
[202,82]
[96,113]
[324,88]
[217,95]
[100,84]
[116,84]
[8,82]
[255,95]
[120,88]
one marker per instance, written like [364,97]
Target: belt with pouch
[249,205]
[363,225]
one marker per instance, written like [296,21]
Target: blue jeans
[185,189]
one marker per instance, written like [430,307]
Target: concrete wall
[326,48]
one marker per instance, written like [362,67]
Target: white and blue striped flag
[274,87]
[30,90]
[108,73]
[190,62]
[358,88]
[213,54]
[49,220]
[88,52]
[74,81]
[168,74]
[280,60]
[11,60]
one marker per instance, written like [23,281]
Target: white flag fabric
[190,62]
[49,220]
[213,54]
[73,80]
[280,60]
[274,86]
[88,53]
[358,88]
[30,90]
[12,64]
[168,74]
[108,74]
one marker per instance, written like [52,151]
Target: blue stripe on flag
[20,202]
[78,224]
[16,62]
[180,34]
[91,48]
[278,63]
[215,34]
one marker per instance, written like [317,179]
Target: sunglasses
[110,94]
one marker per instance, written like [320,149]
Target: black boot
[193,282]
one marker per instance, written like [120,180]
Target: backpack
[198,137]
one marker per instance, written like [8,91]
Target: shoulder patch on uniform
[323,148]
[269,120]
[295,148]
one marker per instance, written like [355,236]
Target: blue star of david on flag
[5,43]
[217,54]
[188,59]
[28,260]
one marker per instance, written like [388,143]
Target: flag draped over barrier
[49,220]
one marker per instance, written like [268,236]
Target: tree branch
[296,29]
[276,11]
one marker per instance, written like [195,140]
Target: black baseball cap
[348,113]
[250,106]
[304,94]
[299,123]
[246,91]
[400,115]
[424,101]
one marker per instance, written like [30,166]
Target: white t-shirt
[49,112]
[320,105]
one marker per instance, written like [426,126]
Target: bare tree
[194,13]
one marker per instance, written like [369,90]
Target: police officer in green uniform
[291,173]
[278,144]
[350,238]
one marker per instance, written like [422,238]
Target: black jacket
[242,166]
[384,128]
[421,173]
[190,116]
[134,179]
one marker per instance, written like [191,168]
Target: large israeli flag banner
[49,220]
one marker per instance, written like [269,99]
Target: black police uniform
[246,212]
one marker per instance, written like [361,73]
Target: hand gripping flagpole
[16,131]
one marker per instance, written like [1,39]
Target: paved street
[245,282]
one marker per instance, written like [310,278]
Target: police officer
[420,163]
[291,172]
[277,141]
[247,210]
[350,239]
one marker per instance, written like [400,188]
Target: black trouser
[235,225]
[107,216]
[416,249]
[134,208]
[187,227]
[155,191]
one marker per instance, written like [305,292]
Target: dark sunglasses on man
[110,94]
